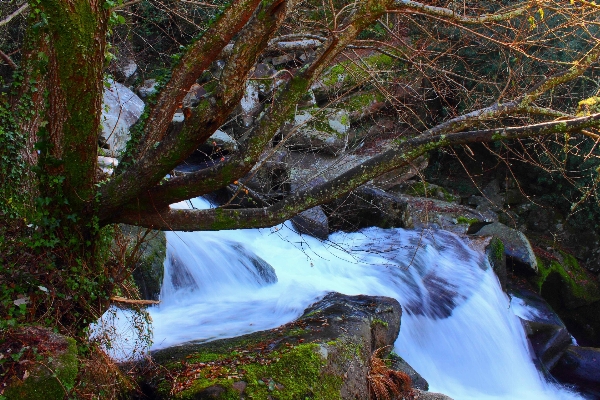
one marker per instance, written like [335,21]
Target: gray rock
[418,382]
[121,109]
[312,222]
[344,331]
[421,395]
[193,96]
[546,332]
[147,88]
[580,366]
[223,141]
[368,206]
[516,245]
[319,130]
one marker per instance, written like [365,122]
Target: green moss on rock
[577,287]
[50,379]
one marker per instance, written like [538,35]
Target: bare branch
[205,181]
[522,104]
[203,120]
[402,154]
[14,14]
[404,5]
[8,60]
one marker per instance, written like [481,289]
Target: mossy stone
[52,377]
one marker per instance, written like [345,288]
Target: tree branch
[204,119]
[14,14]
[403,5]
[207,180]
[522,104]
[402,154]
[195,61]
[8,60]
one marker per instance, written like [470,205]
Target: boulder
[368,206]
[546,332]
[312,222]
[580,366]
[325,354]
[491,198]
[125,70]
[193,96]
[147,88]
[418,382]
[107,164]
[438,214]
[319,130]
[516,246]
[121,109]
[562,278]
[400,175]
[40,375]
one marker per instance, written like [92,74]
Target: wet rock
[516,246]
[547,334]
[324,354]
[438,214]
[312,222]
[398,364]
[580,366]
[563,279]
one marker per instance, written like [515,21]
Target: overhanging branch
[403,154]
[407,5]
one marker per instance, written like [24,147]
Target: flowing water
[457,330]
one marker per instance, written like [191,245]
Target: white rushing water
[457,328]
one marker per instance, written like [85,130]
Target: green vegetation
[577,284]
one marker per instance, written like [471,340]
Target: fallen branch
[119,299]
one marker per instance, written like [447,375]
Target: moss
[425,189]
[377,321]
[50,380]
[349,73]
[577,284]
[297,373]
[362,100]
[465,220]
[588,106]
[497,248]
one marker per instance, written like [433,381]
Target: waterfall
[458,329]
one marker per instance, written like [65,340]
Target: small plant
[385,383]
